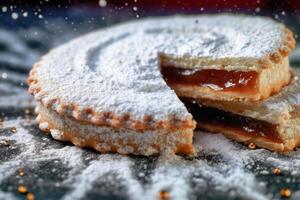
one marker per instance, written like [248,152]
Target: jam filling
[240,124]
[219,80]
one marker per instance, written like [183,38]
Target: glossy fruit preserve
[220,80]
[239,124]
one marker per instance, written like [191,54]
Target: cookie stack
[143,87]
[250,94]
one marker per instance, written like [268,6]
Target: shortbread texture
[116,70]
[105,90]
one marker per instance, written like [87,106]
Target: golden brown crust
[98,139]
[88,115]
[272,80]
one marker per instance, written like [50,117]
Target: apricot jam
[220,80]
[240,124]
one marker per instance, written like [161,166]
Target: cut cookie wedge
[273,123]
[217,83]
[239,58]
[106,89]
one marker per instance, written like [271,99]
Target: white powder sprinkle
[14,15]
[4,75]
[4,9]
[44,126]
[56,134]
[102,3]
[180,177]
[25,14]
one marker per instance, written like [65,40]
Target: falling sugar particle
[283,13]
[135,8]
[40,16]
[102,3]
[25,14]
[257,9]
[14,15]
[4,75]
[4,9]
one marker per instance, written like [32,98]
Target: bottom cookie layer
[107,139]
[279,137]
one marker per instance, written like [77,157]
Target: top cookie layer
[116,70]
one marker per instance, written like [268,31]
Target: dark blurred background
[23,11]
[43,24]
[28,29]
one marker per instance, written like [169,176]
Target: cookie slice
[273,123]
[240,58]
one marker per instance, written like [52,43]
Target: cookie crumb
[276,171]
[1,122]
[163,195]
[22,189]
[5,142]
[13,129]
[286,193]
[21,172]
[30,196]
[252,146]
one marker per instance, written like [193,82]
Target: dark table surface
[54,170]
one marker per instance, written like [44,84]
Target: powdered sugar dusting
[222,168]
[117,69]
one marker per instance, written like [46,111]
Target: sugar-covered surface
[56,170]
[117,69]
